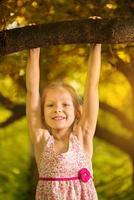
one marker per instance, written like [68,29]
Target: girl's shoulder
[42,135]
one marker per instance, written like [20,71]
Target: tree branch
[67,32]
[13,118]
[6,102]
[123,119]
[18,111]
[124,144]
[125,68]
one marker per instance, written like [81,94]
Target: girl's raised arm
[91,100]
[33,102]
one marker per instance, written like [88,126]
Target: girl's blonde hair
[75,98]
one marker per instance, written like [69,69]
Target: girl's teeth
[58,118]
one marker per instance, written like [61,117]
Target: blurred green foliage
[14,156]
[113,168]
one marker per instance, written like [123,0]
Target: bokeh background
[113,158]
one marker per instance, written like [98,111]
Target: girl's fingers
[95,17]
[35,50]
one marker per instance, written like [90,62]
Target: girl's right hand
[35,51]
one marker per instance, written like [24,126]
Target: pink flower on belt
[84,175]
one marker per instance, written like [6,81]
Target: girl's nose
[58,109]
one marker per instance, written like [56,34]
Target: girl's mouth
[58,118]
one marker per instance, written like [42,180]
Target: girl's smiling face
[59,109]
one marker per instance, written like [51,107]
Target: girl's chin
[59,125]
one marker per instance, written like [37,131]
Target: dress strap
[75,143]
[46,148]
[50,141]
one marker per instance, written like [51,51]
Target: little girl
[61,134]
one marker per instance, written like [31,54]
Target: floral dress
[65,176]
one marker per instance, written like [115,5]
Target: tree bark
[112,31]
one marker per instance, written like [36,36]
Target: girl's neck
[61,134]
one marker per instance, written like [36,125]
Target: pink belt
[83,175]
